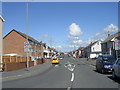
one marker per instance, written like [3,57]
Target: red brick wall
[14,66]
[39,62]
[14,43]
[31,63]
[17,66]
[47,60]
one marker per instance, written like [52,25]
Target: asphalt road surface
[70,73]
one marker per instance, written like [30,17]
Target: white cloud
[75,30]
[111,28]
[77,41]
[71,46]
[104,34]
[59,47]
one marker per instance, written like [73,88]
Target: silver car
[116,69]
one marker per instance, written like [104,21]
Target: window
[93,49]
[38,44]
[98,43]
[31,42]
[118,62]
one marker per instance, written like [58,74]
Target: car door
[100,63]
[118,68]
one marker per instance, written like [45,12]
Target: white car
[61,58]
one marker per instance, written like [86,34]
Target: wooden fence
[14,59]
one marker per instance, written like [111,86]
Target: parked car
[104,63]
[61,58]
[116,69]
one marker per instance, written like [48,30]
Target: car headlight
[107,66]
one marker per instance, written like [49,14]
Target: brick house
[81,51]
[14,44]
[77,53]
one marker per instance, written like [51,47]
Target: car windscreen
[109,59]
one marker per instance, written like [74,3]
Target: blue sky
[52,21]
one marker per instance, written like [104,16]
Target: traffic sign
[26,49]
[26,44]
[117,44]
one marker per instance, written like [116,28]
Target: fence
[14,59]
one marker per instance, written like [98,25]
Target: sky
[62,25]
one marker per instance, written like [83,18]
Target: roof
[81,48]
[91,44]
[2,18]
[23,35]
[111,37]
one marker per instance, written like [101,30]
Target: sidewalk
[26,72]
[90,62]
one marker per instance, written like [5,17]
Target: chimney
[108,33]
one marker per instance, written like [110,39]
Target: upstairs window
[98,43]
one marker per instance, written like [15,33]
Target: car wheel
[96,69]
[103,71]
[113,74]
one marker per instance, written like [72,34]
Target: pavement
[70,73]
[22,73]
[91,62]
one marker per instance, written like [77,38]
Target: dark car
[104,64]
[116,69]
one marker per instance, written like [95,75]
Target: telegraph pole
[1,7]
[27,52]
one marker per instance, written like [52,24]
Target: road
[70,73]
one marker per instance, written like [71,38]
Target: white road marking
[65,66]
[19,75]
[73,68]
[72,79]
[70,66]
[68,88]
[56,65]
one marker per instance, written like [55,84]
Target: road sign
[117,44]
[26,44]
[26,49]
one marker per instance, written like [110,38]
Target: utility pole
[1,7]
[1,36]
[27,53]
